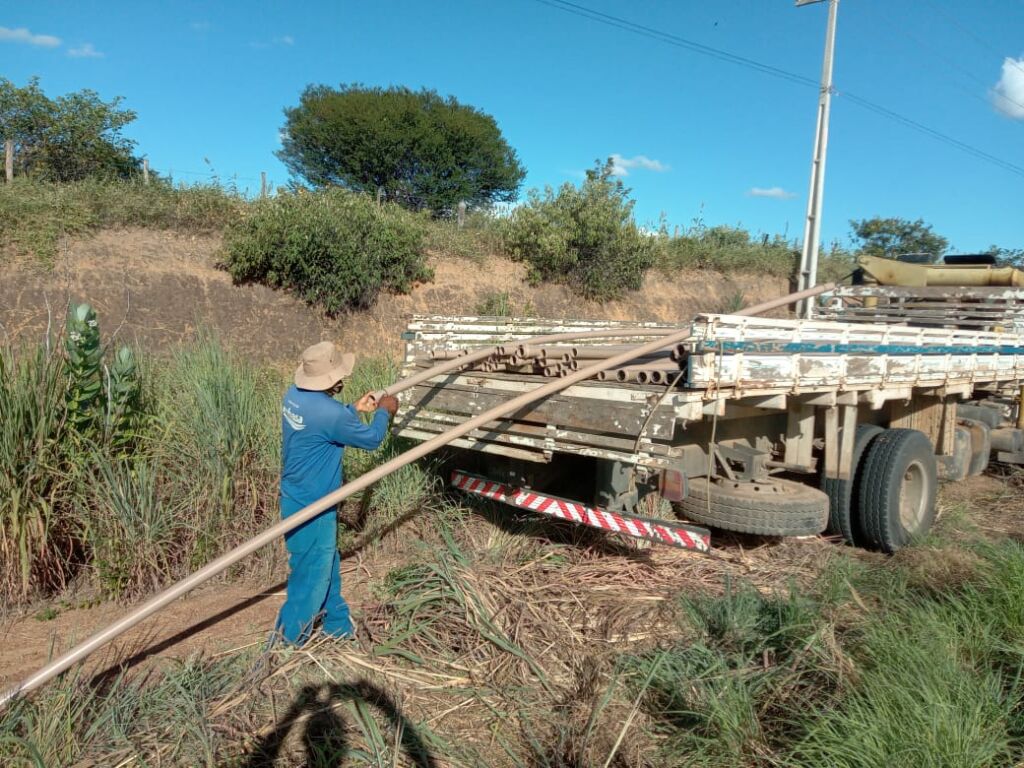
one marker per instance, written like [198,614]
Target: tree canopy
[424,150]
[892,237]
[68,138]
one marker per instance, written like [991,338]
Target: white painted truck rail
[732,360]
[756,356]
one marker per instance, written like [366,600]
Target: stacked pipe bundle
[558,360]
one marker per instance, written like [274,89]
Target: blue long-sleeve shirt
[316,428]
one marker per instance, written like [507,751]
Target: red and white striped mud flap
[660,531]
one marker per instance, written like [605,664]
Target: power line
[680,42]
[894,27]
[967,31]
[963,146]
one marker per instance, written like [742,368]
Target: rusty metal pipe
[609,333]
[186,585]
[448,354]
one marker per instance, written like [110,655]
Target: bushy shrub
[334,248]
[585,237]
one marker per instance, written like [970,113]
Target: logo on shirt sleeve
[294,420]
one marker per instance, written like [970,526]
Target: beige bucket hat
[323,366]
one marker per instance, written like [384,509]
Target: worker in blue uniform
[316,428]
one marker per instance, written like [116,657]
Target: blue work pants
[314,578]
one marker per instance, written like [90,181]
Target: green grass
[927,678]
[35,216]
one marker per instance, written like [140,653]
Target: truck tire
[896,493]
[777,508]
[841,506]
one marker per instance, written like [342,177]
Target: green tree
[583,236]
[72,137]
[1007,257]
[426,151]
[892,237]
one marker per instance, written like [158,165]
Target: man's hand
[389,403]
[366,403]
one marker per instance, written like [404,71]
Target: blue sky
[699,137]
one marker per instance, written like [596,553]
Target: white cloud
[283,40]
[22,35]
[1008,93]
[776,193]
[621,165]
[85,51]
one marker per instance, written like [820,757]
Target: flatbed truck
[844,423]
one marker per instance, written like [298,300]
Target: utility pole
[812,225]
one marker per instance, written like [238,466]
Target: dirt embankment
[159,288]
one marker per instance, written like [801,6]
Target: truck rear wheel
[897,489]
[841,503]
[775,508]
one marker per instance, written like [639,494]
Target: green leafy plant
[84,364]
[123,415]
[335,249]
[585,237]
[497,303]
[728,250]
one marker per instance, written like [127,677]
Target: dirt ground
[157,288]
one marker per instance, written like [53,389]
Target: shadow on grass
[325,734]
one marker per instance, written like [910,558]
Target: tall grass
[34,215]
[221,441]
[480,236]
[198,475]
[727,249]
[37,541]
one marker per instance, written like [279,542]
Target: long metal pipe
[186,585]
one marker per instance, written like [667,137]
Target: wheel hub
[912,497]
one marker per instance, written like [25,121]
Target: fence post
[145,170]
[263,183]
[461,215]
[380,195]
[9,160]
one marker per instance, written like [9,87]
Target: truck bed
[730,365]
